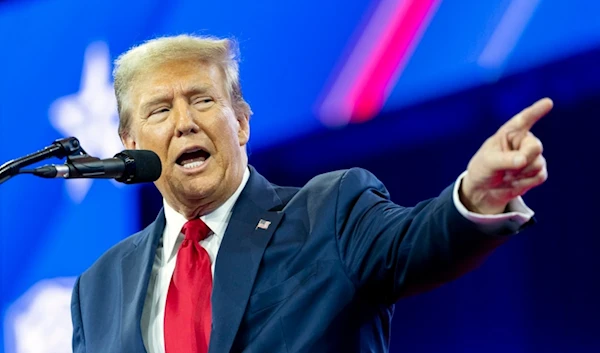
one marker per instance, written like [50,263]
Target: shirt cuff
[516,211]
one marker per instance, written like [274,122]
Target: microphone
[128,166]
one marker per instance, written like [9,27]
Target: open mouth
[193,159]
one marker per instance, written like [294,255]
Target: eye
[159,111]
[203,102]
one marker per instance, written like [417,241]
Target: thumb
[508,160]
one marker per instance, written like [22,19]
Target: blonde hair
[146,56]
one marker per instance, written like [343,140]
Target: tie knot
[195,230]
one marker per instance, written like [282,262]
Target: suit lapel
[239,257]
[136,267]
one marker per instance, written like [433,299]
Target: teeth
[193,164]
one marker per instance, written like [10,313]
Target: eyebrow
[161,96]
[154,100]
[198,89]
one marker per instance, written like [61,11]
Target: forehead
[174,76]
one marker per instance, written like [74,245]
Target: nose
[184,119]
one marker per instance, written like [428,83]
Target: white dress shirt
[152,323]
[153,314]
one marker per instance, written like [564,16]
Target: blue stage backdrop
[407,88]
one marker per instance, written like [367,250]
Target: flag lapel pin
[262,224]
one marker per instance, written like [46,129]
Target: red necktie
[188,308]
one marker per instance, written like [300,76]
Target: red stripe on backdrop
[382,68]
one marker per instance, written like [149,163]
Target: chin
[200,188]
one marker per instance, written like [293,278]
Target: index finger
[525,120]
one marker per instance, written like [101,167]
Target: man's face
[181,111]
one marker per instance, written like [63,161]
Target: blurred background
[407,89]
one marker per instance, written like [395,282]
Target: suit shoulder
[353,177]
[326,185]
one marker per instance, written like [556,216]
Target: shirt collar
[217,220]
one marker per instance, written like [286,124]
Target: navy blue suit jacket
[323,277]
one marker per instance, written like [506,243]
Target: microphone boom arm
[66,147]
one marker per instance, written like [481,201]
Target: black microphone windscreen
[147,166]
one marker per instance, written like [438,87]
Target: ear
[128,141]
[243,129]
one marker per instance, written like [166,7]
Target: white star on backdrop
[90,114]
[39,321]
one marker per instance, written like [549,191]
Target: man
[234,263]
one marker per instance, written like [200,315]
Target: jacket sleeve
[390,251]
[78,337]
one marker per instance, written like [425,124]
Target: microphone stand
[61,148]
